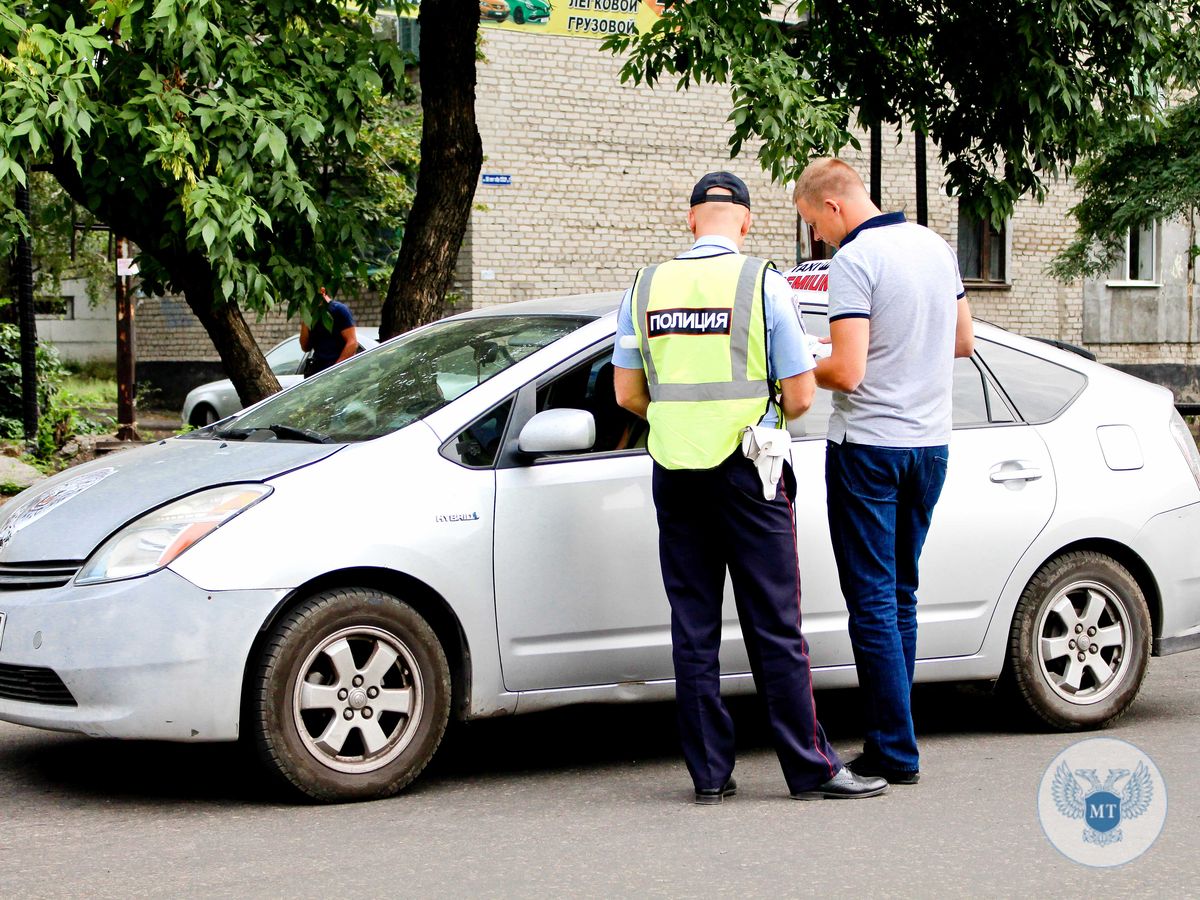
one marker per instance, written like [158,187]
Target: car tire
[518,16]
[351,696]
[203,415]
[1079,642]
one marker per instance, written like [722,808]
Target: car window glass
[815,422]
[970,394]
[589,386]
[476,445]
[285,359]
[398,382]
[1040,389]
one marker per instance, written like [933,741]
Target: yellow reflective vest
[701,329]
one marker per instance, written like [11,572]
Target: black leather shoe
[845,785]
[869,766]
[711,796]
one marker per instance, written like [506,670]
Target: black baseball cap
[739,193]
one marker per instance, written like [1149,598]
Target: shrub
[59,417]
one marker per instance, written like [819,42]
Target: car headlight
[157,538]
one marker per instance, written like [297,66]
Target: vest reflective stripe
[749,278]
[716,390]
[641,301]
[706,363]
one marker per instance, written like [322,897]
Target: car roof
[605,303]
[598,305]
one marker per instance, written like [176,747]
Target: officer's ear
[746,223]
[691,219]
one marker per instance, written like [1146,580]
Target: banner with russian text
[575,18]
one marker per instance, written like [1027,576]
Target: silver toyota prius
[217,586]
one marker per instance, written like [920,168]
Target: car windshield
[285,359]
[395,384]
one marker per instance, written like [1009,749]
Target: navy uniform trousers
[711,520]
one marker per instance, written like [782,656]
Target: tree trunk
[27,317]
[451,157]
[8,291]
[240,355]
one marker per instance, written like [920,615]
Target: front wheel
[352,696]
[519,16]
[1080,641]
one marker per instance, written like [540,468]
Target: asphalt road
[591,802]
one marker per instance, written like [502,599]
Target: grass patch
[86,391]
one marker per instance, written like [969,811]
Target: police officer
[702,341]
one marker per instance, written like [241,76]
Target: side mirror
[558,431]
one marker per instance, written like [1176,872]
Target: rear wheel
[1080,642]
[352,696]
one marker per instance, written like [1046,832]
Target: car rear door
[999,494]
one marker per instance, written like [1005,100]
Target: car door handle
[1014,470]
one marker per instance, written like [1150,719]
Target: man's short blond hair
[826,177]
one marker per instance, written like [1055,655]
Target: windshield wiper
[281,431]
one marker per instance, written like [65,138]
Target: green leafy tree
[241,144]
[1133,178]
[1010,91]
[1148,170]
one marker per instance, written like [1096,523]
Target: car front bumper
[1168,545]
[151,658]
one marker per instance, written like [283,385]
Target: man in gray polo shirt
[898,317]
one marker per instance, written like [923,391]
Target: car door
[579,596]
[999,494]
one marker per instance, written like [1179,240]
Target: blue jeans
[881,502]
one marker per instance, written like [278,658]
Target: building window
[1141,251]
[982,250]
[807,247]
[54,307]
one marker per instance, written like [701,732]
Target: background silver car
[215,586]
[217,400]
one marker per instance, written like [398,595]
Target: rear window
[1039,389]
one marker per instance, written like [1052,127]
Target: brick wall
[600,177]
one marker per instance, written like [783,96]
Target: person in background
[898,316]
[329,346]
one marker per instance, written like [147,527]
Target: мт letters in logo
[1098,804]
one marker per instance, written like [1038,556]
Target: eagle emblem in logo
[1099,803]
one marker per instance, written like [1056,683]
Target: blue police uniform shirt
[787,348]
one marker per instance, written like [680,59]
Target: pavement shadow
[140,770]
[572,737]
[612,734]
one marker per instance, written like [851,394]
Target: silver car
[216,586]
[218,400]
